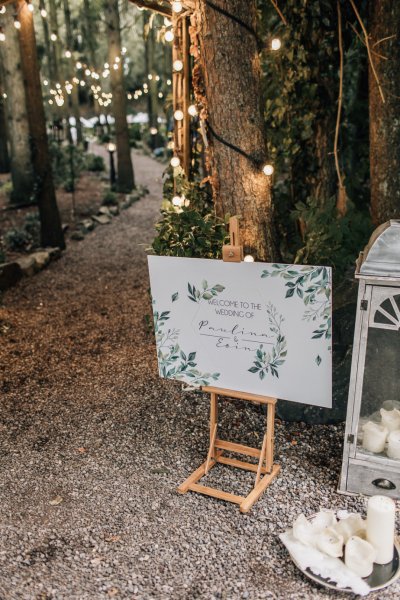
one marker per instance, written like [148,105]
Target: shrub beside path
[93,445]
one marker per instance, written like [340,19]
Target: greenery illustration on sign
[205,293]
[266,361]
[173,362]
[313,286]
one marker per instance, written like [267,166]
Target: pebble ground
[93,445]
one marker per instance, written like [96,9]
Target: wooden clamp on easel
[265,470]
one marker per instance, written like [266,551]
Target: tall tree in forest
[4,156]
[17,118]
[74,97]
[125,179]
[50,49]
[51,230]
[384,109]
[231,104]
[149,51]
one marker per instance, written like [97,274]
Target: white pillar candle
[374,437]
[359,556]
[330,542]
[393,450]
[390,419]
[380,527]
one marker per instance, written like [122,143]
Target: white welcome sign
[251,327]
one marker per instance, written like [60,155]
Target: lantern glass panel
[381,382]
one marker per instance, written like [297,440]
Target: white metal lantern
[371,456]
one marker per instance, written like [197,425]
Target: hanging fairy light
[169,36]
[43,12]
[2,10]
[177,6]
[17,24]
[268,169]
[117,59]
[4,96]
[53,37]
[177,201]
[160,95]
[68,54]
[123,50]
[192,110]
[82,83]
[167,22]
[178,115]
[31,8]
[45,82]
[248,258]
[276,44]
[171,145]
[150,76]
[175,161]
[153,130]
[177,65]
[2,35]
[115,66]
[87,72]
[50,101]
[169,82]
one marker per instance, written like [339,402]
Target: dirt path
[93,445]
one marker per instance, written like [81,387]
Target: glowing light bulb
[276,44]
[123,50]
[2,10]
[43,12]
[82,83]
[45,82]
[192,110]
[177,201]
[68,54]
[87,72]
[78,65]
[4,95]
[17,24]
[153,130]
[58,86]
[169,82]
[248,258]
[160,95]
[178,115]
[106,66]
[117,59]
[115,66]
[150,76]
[169,36]
[2,36]
[175,161]
[178,65]
[53,37]
[268,169]
[157,78]
[167,22]
[31,8]
[50,101]
[170,145]
[177,6]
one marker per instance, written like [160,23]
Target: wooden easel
[265,470]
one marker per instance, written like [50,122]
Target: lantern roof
[381,256]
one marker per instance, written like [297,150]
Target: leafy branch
[206,293]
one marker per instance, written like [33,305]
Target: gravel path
[93,445]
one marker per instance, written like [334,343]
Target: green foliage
[26,237]
[193,229]
[110,198]
[301,86]
[94,162]
[7,188]
[67,164]
[330,240]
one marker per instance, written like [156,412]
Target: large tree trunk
[384,116]
[4,156]
[74,97]
[17,119]
[125,178]
[51,230]
[232,83]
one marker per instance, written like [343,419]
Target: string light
[87,72]
[169,36]
[177,201]
[178,115]
[178,65]
[53,37]
[68,54]
[123,50]
[160,95]
[268,170]
[31,8]
[150,76]
[175,161]
[45,82]
[17,24]
[248,258]
[78,65]
[170,145]
[50,101]
[169,82]
[167,22]
[177,6]
[43,12]
[2,35]
[192,110]
[153,130]
[276,44]
[2,10]
[157,78]
[115,66]
[4,96]
[117,59]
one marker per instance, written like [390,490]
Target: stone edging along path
[27,266]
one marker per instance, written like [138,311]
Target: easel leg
[270,436]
